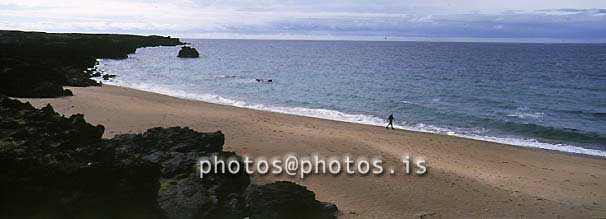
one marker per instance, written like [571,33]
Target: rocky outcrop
[188,52]
[37,64]
[57,167]
[286,200]
[183,194]
[60,167]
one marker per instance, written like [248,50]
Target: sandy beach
[466,178]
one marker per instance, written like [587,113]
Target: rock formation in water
[37,64]
[188,52]
[58,167]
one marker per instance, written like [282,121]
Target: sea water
[550,96]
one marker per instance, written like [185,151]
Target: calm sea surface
[550,96]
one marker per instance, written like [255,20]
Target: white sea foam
[524,115]
[355,118]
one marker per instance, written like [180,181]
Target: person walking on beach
[391,119]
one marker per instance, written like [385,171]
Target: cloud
[318,18]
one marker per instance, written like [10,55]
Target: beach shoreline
[365,119]
[516,142]
[466,177]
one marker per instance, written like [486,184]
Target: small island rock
[188,52]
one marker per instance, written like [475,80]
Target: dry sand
[466,178]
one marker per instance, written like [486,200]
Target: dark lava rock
[183,194]
[108,76]
[57,167]
[33,127]
[47,89]
[175,139]
[53,166]
[188,52]
[287,200]
[37,64]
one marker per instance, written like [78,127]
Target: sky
[437,20]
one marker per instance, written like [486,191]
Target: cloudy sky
[477,20]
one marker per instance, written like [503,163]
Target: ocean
[550,96]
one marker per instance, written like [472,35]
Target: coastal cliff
[38,64]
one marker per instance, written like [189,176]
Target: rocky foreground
[37,64]
[58,167]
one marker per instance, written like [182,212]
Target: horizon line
[366,38]
[428,40]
